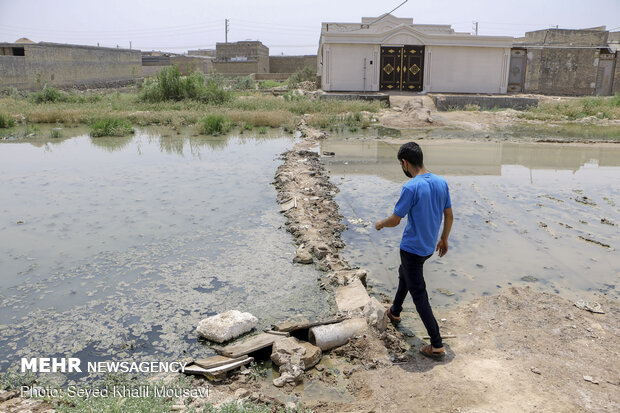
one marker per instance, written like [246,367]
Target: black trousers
[411,280]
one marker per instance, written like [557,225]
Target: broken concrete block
[361,274]
[226,326]
[303,256]
[330,336]
[291,372]
[312,356]
[376,314]
[284,349]
[352,297]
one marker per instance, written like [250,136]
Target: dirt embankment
[415,112]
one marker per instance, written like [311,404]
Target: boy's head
[412,153]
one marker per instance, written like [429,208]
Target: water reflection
[523,212]
[465,158]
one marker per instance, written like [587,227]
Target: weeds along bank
[174,100]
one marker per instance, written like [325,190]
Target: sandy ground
[517,351]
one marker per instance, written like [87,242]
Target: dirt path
[517,351]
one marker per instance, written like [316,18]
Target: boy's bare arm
[442,245]
[391,221]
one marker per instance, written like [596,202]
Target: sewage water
[543,215]
[113,249]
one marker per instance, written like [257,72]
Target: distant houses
[388,53]
[384,53]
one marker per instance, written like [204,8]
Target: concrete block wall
[66,65]
[567,37]
[189,64]
[561,71]
[616,87]
[291,64]
[250,49]
[248,67]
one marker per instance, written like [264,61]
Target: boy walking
[425,200]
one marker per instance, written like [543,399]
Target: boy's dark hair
[411,152]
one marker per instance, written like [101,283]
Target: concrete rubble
[376,314]
[226,326]
[293,357]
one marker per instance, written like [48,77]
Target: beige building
[390,53]
[241,58]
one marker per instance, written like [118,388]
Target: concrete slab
[352,297]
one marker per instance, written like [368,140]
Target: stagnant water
[525,214]
[113,249]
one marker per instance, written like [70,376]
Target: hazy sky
[285,26]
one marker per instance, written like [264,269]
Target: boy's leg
[413,266]
[401,294]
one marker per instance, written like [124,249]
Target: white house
[391,53]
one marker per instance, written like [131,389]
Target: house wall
[251,50]
[343,67]
[290,64]
[616,86]
[561,71]
[247,67]
[68,66]
[189,64]
[453,69]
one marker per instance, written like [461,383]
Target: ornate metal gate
[402,68]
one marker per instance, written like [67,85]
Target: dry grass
[253,109]
[573,109]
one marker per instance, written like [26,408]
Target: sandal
[434,353]
[394,319]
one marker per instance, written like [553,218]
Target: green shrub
[262,130]
[6,121]
[244,83]
[110,127]
[49,95]
[270,84]
[55,133]
[214,124]
[307,74]
[170,85]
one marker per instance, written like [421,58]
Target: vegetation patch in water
[214,124]
[110,127]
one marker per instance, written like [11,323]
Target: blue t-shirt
[423,199]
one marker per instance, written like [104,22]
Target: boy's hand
[391,221]
[442,247]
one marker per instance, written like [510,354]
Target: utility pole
[226,30]
[476,28]
[130,45]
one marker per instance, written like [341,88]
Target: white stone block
[226,326]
